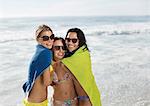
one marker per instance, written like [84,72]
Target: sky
[32,8]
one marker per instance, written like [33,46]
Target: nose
[50,41]
[61,50]
[70,42]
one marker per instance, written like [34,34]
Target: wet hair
[62,40]
[42,28]
[80,36]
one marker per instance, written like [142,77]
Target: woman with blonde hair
[39,70]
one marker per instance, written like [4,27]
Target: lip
[48,44]
[61,53]
[70,46]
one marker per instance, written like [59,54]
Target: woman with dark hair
[64,90]
[79,63]
[78,40]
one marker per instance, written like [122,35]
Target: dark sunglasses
[46,38]
[74,40]
[59,47]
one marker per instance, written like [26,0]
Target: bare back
[39,90]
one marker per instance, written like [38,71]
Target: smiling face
[46,39]
[58,49]
[72,41]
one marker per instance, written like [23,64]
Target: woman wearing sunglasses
[64,90]
[39,70]
[78,62]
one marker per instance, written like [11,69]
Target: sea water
[119,47]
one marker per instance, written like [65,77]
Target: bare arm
[47,77]
[81,92]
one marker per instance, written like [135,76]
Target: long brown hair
[80,35]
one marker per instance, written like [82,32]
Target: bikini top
[66,77]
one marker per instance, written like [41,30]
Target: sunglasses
[59,47]
[46,38]
[74,40]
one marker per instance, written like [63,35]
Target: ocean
[119,47]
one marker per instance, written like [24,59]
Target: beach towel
[27,103]
[40,61]
[80,66]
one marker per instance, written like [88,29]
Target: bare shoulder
[62,65]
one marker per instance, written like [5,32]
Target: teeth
[70,46]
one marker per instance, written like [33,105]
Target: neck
[57,60]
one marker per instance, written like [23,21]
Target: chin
[60,58]
[71,50]
[49,47]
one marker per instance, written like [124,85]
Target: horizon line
[76,16]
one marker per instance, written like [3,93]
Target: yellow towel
[80,65]
[26,103]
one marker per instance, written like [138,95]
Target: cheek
[55,53]
[63,53]
[66,42]
[43,43]
[52,41]
[77,44]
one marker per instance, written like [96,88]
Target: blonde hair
[42,28]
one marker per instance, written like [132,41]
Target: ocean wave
[16,40]
[94,29]
[119,32]
[119,29]
[88,33]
